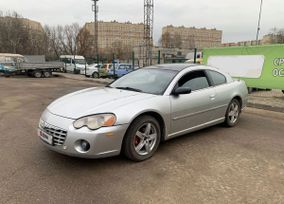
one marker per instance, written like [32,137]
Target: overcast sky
[237,18]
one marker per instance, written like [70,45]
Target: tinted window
[194,80]
[217,78]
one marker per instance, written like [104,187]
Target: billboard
[259,66]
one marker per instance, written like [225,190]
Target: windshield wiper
[129,89]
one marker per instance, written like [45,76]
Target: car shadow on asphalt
[170,145]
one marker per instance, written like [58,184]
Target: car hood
[93,101]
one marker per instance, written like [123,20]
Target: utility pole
[148,31]
[95,9]
[259,21]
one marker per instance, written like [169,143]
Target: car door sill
[200,112]
[195,128]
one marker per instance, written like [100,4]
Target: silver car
[138,111]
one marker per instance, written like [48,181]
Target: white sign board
[245,66]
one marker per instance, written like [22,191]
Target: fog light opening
[82,146]
[85,145]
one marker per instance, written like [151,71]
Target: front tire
[96,75]
[142,139]
[233,113]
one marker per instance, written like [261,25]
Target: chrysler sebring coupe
[135,113]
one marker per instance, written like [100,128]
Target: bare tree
[83,43]
[16,36]
[177,41]
[276,36]
[62,40]
[165,41]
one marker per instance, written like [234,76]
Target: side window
[195,80]
[217,78]
[66,60]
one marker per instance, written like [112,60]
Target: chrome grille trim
[58,134]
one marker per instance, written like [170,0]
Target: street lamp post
[259,21]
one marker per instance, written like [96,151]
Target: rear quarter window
[217,78]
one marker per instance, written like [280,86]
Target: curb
[265,107]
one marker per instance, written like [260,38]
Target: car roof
[174,67]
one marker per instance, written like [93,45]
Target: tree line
[18,36]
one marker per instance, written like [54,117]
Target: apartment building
[190,37]
[113,34]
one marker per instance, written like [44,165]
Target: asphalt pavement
[244,164]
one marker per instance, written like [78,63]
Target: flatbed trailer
[19,65]
[39,70]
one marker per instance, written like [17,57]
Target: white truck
[74,63]
[15,63]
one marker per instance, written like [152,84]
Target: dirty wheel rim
[145,139]
[234,112]
[95,75]
[37,74]
[47,74]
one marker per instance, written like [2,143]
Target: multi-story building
[112,35]
[189,38]
[33,26]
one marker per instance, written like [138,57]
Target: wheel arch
[239,99]
[158,117]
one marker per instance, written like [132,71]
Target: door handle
[212,97]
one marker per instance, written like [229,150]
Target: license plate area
[45,137]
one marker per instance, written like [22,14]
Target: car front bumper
[104,142]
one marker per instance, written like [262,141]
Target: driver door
[70,65]
[192,110]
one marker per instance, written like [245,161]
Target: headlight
[96,121]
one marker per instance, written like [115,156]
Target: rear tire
[233,113]
[142,139]
[37,74]
[47,74]
[283,91]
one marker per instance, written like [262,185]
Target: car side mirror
[181,91]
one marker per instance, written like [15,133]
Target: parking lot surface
[244,164]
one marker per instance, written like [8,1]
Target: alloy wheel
[234,112]
[145,139]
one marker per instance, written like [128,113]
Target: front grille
[58,134]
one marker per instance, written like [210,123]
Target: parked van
[74,63]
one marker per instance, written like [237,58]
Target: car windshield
[152,81]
